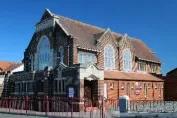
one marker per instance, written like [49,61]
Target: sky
[152,21]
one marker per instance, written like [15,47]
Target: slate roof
[130,76]
[86,35]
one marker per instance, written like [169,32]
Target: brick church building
[69,58]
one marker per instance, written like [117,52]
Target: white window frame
[86,57]
[109,62]
[156,66]
[43,56]
[139,66]
[127,61]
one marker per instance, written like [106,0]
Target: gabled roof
[8,66]
[86,35]
[142,51]
[117,75]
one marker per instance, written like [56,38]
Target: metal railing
[59,106]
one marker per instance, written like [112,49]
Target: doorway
[91,93]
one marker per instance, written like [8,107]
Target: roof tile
[130,76]
[86,35]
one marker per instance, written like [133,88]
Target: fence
[59,106]
[153,106]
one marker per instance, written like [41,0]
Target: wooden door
[88,93]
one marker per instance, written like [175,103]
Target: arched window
[127,60]
[109,57]
[44,53]
[128,89]
[61,54]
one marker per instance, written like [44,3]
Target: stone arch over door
[91,90]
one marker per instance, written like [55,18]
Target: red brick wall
[118,91]
[108,38]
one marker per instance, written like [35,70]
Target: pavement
[3,115]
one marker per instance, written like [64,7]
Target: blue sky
[152,21]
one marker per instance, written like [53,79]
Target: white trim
[49,11]
[148,60]
[109,68]
[90,49]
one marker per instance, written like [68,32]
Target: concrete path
[2,115]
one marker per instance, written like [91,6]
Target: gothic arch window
[127,60]
[43,53]
[109,57]
[61,54]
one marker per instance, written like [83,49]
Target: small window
[122,86]
[133,85]
[149,85]
[128,89]
[155,85]
[112,85]
[85,57]
[145,90]
[159,89]
[154,68]
[141,66]
[141,86]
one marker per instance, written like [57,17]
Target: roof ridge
[80,22]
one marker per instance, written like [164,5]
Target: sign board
[137,91]
[70,92]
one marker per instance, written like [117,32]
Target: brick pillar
[100,88]
[100,92]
